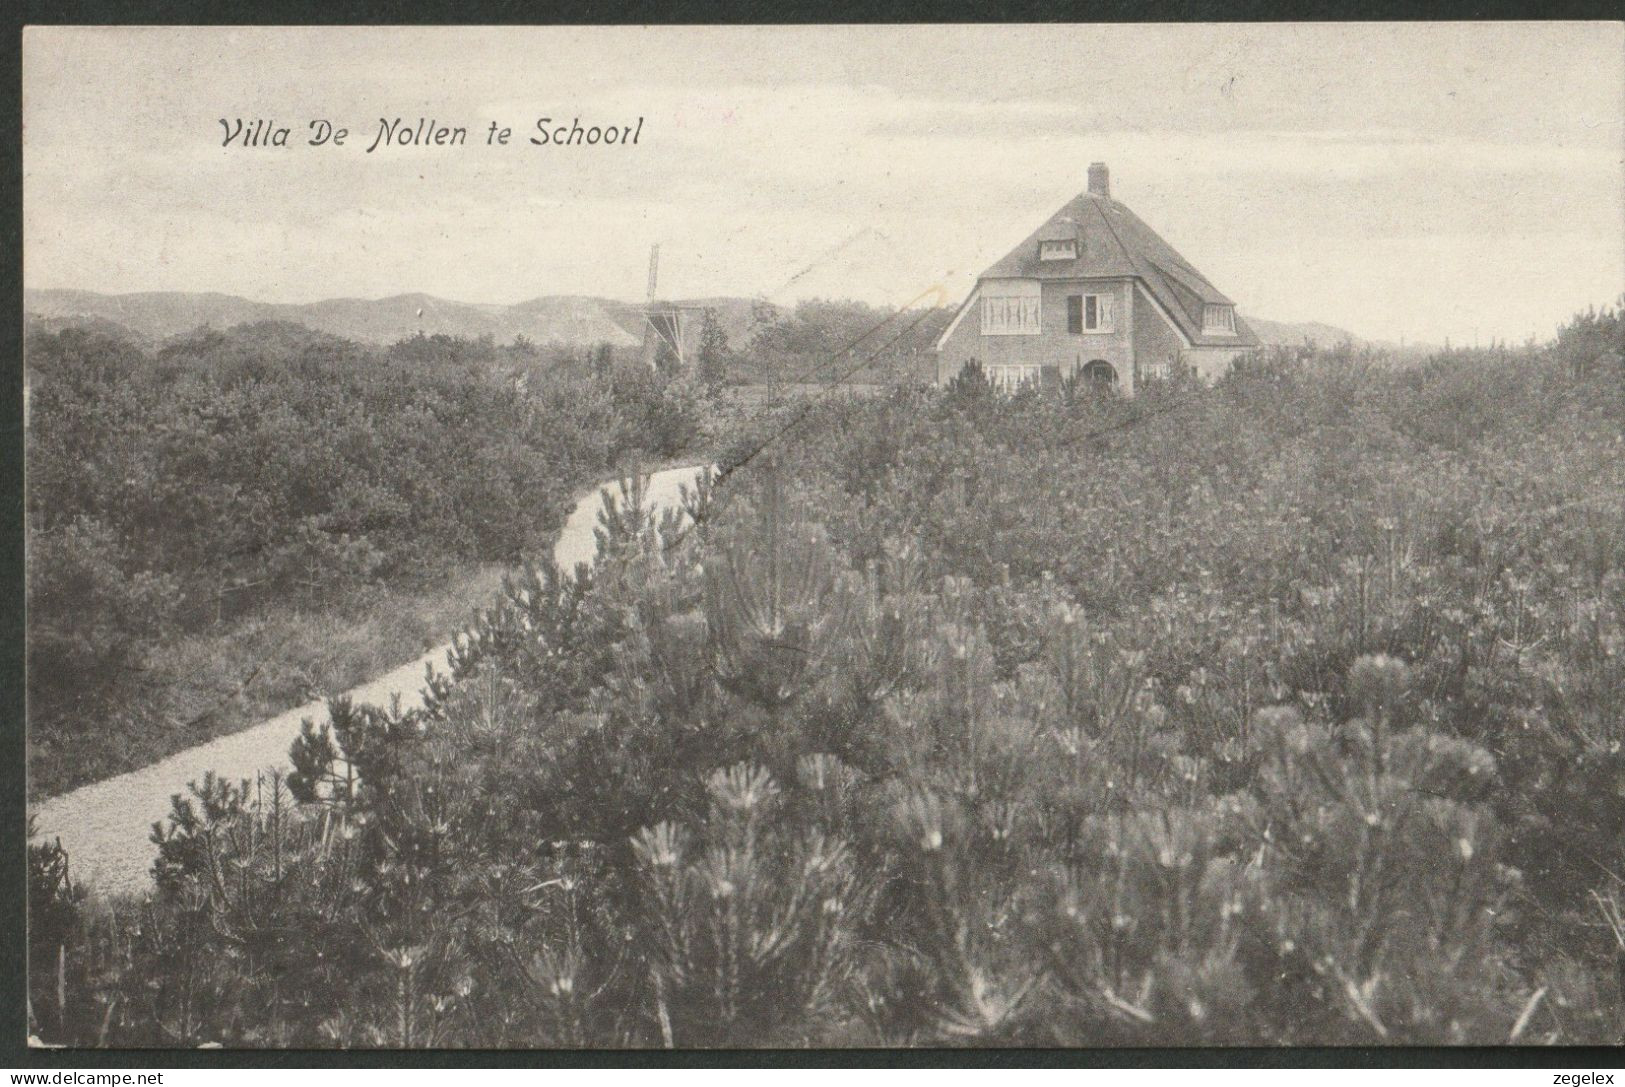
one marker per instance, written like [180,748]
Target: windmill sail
[650,335]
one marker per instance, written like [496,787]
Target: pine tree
[714,353]
[603,361]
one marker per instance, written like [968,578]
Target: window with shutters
[1089,313]
[1011,308]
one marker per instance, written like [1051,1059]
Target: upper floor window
[1090,313]
[1218,318]
[1011,308]
[1064,249]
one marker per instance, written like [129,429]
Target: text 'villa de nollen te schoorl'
[427,132]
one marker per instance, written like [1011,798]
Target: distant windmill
[663,322]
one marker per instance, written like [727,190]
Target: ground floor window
[1011,378]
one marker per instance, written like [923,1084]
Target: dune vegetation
[1286,711]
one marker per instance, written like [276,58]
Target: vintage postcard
[825,536]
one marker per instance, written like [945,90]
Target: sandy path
[105,826]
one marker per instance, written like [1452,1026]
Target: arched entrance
[1100,375]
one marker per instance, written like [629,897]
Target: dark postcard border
[13,757]
[702,12]
[13,1003]
[1571,1058]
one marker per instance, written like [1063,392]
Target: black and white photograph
[824,537]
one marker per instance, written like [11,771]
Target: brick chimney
[1100,180]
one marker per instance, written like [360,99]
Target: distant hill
[1291,333]
[568,319]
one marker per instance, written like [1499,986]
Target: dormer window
[1061,249]
[1218,318]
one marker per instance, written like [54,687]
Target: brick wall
[1141,344]
[1156,346]
[1055,346]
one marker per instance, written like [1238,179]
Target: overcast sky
[1407,180]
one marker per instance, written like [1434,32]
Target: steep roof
[1113,242]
